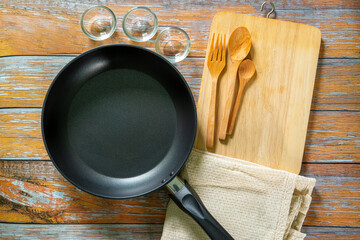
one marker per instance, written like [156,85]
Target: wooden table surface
[37,38]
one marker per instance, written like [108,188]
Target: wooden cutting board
[272,120]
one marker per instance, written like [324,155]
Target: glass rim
[87,33]
[153,31]
[186,52]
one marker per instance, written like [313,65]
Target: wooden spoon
[238,47]
[246,72]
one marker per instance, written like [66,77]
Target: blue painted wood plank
[24,80]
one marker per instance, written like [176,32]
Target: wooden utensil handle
[236,107]
[228,104]
[211,117]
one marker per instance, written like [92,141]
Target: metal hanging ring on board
[272,8]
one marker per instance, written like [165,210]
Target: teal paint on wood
[331,233]
[24,80]
[332,138]
[133,231]
[339,36]
[31,195]
[79,231]
[333,204]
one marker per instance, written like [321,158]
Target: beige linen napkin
[249,200]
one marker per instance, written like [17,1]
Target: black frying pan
[119,121]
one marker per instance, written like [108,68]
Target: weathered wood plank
[135,231]
[24,80]
[35,29]
[83,231]
[34,192]
[20,134]
[337,85]
[333,137]
[336,197]
[240,4]
[329,233]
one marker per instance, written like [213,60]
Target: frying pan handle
[188,200]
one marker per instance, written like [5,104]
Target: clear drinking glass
[173,43]
[98,22]
[140,24]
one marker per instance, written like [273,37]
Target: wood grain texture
[184,5]
[24,80]
[332,137]
[271,125]
[20,134]
[334,198]
[135,231]
[34,192]
[77,231]
[329,233]
[337,85]
[34,27]
[48,27]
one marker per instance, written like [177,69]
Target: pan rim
[180,164]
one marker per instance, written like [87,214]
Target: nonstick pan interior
[119,121]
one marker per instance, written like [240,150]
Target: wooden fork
[216,63]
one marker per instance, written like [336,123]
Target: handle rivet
[172,173]
[164,180]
